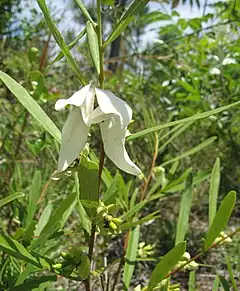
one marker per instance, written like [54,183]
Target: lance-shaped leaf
[31,105]
[88,179]
[185,206]
[70,46]
[60,41]
[166,264]
[127,17]
[197,116]
[34,194]
[17,250]
[10,198]
[93,45]
[192,151]
[84,11]
[213,193]
[221,218]
[131,256]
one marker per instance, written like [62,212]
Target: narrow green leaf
[192,151]
[88,179]
[224,283]
[84,218]
[188,87]
[31,105]
[70,46]
[151,216]
[185,206]
[176,134]
[166,264]
[60,41]
[231,276]
[221,218]
[216,283]
[127,17]
[55,221]
[131,255]
[10,198]
[192,281]
[17,250]
[93,45]
[43,220]
[213,193]
[84,11]
[34,282]
[117,186]
[34,194]
[181,121]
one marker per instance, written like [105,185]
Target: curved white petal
[110,103]
[88,104]
[97,116]
[74,138]
[76,99]
[113,137]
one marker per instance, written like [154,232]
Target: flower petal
[98,116]
[110,103]
[88,104]
[113,137]
[74,138]
[76,99]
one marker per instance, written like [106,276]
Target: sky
[67,23]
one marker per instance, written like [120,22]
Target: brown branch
[202,253]
[121,261]
[151,169]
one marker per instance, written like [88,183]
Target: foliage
[65,229]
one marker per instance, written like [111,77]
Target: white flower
[228,61]
[214,71]
[113,116]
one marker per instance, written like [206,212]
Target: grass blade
[181,121]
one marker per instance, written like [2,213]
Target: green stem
[100,42]
[102,154]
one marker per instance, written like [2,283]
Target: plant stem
[100,42]
[102,153]
[202,253]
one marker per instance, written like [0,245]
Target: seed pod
[113,225]
[117,220]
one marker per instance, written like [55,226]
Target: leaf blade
[31,105]
[221,218]
[166,264]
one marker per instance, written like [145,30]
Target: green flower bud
[32,54]
[117,220]
[113,225]
[57,266]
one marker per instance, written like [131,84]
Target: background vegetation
[187,66]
